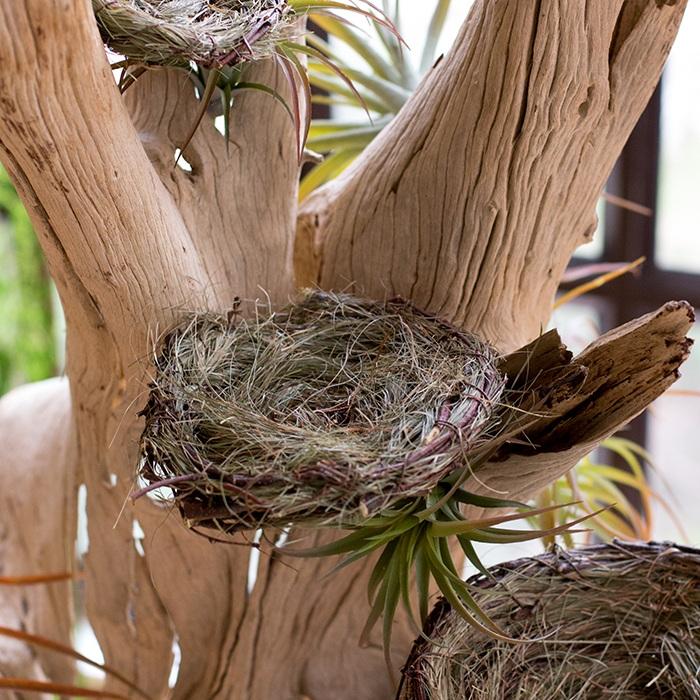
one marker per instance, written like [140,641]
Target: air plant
[415,550]
[217,44]
[342,413]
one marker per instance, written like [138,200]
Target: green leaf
[447,529]
[422,579]
[435,29]
[462,602]
[393,96]
[205,99]
[391,602]
[380,569]
[260,87]
[349,543]
[375,613]
[355,139]
[472,499]
[357,98]
[318,56]
[361,45]
[473,558]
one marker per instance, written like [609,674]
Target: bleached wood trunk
[470,204]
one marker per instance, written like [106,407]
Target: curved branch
[238,202]
[37,537]
[72,147]
[472,201]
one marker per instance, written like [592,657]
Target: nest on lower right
[606,621]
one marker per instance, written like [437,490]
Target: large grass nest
[606,621]
[327,412]
[208,33]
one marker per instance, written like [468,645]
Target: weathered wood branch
[472,201]
[37,536]
[470,205]
[238,203]
[624,371]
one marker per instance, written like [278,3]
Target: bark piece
[471,202]
[627,369]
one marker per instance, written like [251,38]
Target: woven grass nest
[327,412]
[206,32]
[606,621]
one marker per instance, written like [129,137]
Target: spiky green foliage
[386,80]
[217,43]
[414,547]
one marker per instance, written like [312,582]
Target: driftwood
[470,204]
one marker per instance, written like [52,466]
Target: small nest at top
[606,621]
[329,411]
[208,33]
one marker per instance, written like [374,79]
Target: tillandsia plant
[415,546]
[344,413]
[217,43]
[387,78]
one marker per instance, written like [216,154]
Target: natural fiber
[326,412]
[607,621]
[177,32]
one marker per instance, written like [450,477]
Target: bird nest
[606,621]
[327,412]
[177,32]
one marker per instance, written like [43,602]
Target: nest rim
[440,443]
[433,659]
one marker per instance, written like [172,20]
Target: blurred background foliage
[29,313]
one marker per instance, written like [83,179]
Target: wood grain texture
[625,370]
[472,201]
[469,204]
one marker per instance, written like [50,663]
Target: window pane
[673,423]
[594,249]
[678,234]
